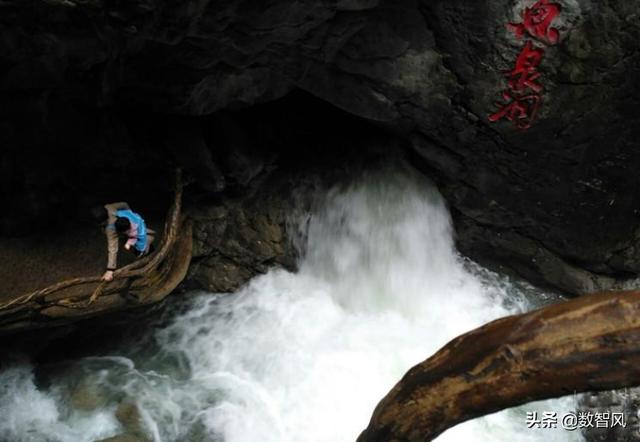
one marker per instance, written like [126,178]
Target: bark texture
[587,344]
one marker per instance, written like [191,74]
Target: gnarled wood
[587,344]
[144,281]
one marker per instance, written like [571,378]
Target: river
[293,357]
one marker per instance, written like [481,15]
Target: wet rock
[508,251]
[87,397]
[238,239]
[601,406]
[128,414]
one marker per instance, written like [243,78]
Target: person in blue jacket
[122,221]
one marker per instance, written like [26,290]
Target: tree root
[148,273]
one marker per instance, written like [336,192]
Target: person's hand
[127,246]
[108,275]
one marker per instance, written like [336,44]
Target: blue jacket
[141,243]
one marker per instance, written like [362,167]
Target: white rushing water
[295,357]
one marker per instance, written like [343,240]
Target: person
[120,220]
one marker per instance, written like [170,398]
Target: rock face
[604,404]
[237,239]
[557,203]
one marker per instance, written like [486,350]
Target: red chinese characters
[524,75]
[536,22]
[519,109]
[523,96]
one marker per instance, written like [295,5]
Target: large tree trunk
[589,343]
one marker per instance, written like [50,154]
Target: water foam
[306,356]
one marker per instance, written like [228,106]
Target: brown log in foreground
[587,344]
[142,282]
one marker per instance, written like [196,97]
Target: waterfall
[296,357]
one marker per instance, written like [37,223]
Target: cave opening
[64,156]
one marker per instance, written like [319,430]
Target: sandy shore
[34,262]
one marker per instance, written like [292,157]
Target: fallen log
[145,281]
[590,343]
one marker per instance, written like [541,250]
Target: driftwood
[144,281]
[587,344]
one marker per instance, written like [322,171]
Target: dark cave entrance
[63,156]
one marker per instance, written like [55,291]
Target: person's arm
[112,238]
